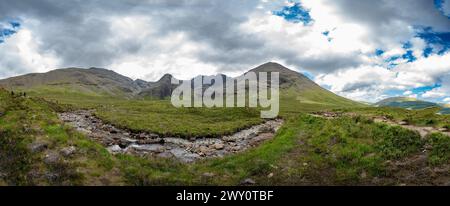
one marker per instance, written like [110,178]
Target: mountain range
[412,103]
[295,87]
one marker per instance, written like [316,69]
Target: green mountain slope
[74,85]
[299,93]
[93,81]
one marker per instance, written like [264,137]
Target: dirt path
[122,141]
[423,131]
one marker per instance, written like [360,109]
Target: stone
[364,174]
[51,158]
[203,149]
[219,146]
[229,139]
[266,129]
[114,149]
[151,141]
[237,148]
[165,155]
[403,123]
[142,136]
[68,151]
[154,148]
[248,181]
[443,130]
[270,175]
[38,146]
[123,143]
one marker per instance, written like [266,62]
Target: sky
[362,49]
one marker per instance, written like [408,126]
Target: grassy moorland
[161,117]
[307,150]
[32,143]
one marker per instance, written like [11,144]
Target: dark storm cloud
[80,32]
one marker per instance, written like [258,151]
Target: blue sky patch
[420,90]
[309,75]
[14,24]
[391,60]
[438,40]
[409,56]
[295,13]
[407,45]
[427,52]
[327,34]
[8,31]
[379,52]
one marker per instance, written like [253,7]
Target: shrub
[440,148]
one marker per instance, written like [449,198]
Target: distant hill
[405,102]
[411,103]
[94,81]
[295,87]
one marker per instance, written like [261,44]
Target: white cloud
[20,52]
[146,39]
[407,93]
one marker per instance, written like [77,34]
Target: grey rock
[219,146]
[114,149]
[403,123]
[51,158]
[248,181]
[38,146]
[68,151]
[165,155]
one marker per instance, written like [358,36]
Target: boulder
[219,146]
[68,151]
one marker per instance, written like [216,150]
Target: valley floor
[37,148]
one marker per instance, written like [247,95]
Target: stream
[120,141]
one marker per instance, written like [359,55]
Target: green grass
[24,121]
[295,102]
[306,150]
[159,116]
[162,118]
[440,152]
[339,151]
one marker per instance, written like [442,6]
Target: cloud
[145,39]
